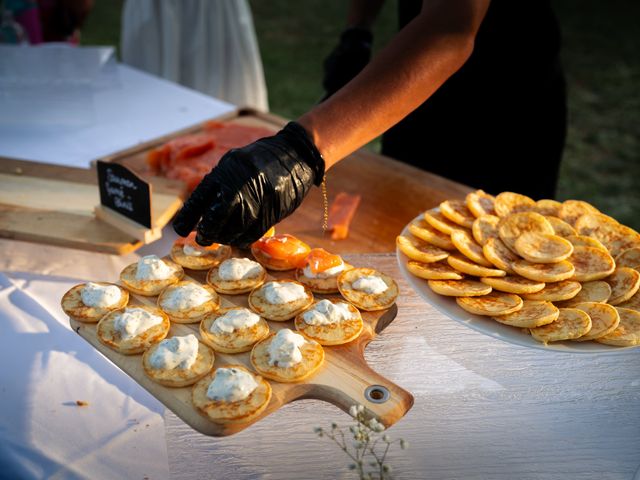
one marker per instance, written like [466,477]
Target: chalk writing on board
[124,192]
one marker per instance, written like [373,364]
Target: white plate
[486,325]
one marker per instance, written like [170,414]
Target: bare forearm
[407,72]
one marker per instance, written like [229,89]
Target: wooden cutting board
[53,204]
[343,380]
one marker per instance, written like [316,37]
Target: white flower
[353,411]
[375,425]
[360,408]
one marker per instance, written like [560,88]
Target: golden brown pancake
[591,264]
[457,212]
[534,313]
[149,288]
[278,312]
[624,283]
[543,247]
[570,324]
[419,250]
[437,220]
[464,265]
[112,338]
[507,203]
[484,228]
[206,261]
[434,271]
[480,203]
[364,300]
[513,284]
[604,320]
[235,287]
[240,340]
[494,303]
[337,333]
[427,233]
[242,411]
[459,288]
[177,377]
[555,292]
[312,359]
[73,305]
[598,292]
[627,333]
[471,249]
[544,272]
[189,315]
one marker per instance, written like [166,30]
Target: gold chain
[325,204]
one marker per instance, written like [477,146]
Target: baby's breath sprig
[369,448]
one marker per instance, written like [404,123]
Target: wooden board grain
[53,204]
[342,380]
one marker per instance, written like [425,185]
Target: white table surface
[484,409]
[91,107]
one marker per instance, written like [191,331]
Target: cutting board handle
[355,383]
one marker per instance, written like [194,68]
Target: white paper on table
[70,105]
[48,367]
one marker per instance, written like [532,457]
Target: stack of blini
[561,271]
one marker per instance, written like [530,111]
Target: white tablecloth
[483,408]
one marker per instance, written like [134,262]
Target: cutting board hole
[376,394]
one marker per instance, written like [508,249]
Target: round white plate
[449,307]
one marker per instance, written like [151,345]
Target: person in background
[39,21]
[494,117]
[206,45]
[499,122]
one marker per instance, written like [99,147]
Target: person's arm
[419,59]
[256,186]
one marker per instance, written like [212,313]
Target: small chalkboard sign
[123,191]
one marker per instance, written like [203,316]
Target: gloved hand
[347,60]
[252,188]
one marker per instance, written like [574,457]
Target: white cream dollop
[277,293]
[233,320]
[194,250]
[133,321]
[234,269]
[153,267]
[96,295]
[370,284]
[284,349]
[326,312]
[184,297]
[175,352]
[329,272]
[231,385]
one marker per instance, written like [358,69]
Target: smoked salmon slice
[284,247]
[341,213]
[319,260]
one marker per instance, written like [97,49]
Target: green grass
[602,159]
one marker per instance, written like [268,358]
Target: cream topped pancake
[188,302]
[233,330]
[321,271]
[330,322]
[280,252]
[133,329]
[89,302]
[287,356]
[231,394]
[187,253]
[368,289]
[150,275]
[178,361]
[236,275]
[280,300]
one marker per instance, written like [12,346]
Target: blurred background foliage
[601,41]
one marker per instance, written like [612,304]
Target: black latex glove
[347,60]
[252,188]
